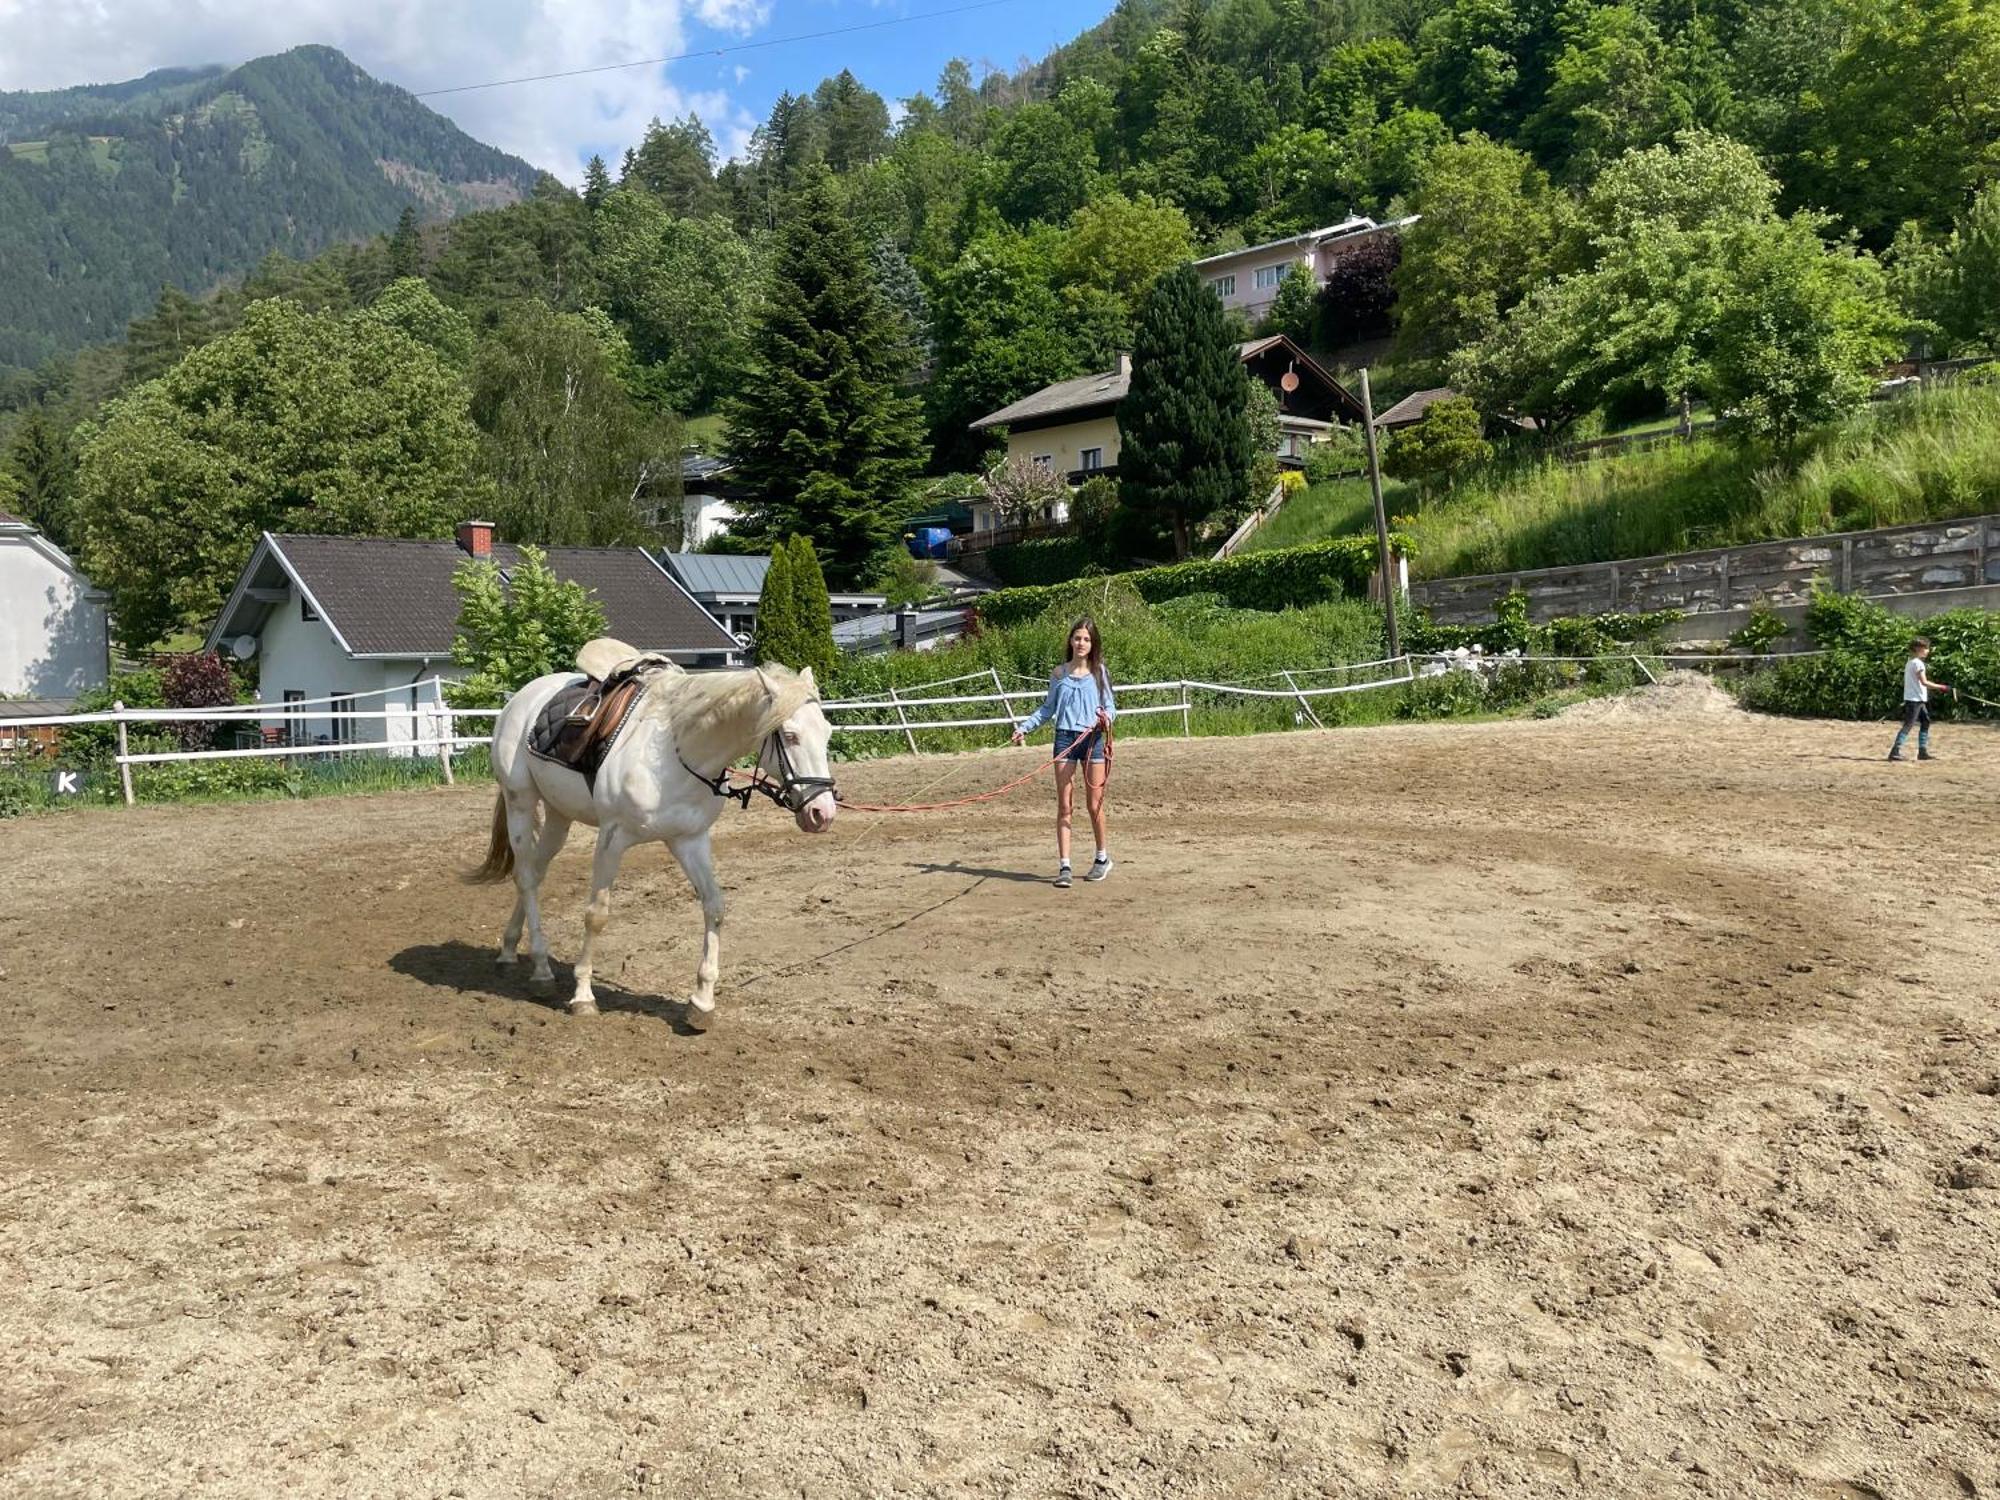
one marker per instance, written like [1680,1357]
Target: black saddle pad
[580,724]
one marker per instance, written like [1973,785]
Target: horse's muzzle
[817,815]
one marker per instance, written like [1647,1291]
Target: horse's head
[795,756]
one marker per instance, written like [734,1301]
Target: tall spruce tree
[777,635]
[406,247]
[596,183]
[823,433]
[812,612]
[1185,449]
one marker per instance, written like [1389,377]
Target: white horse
[666,780]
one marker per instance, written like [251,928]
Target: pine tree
[154,344]
[596,183]
[824,436]
[777,634]
[812,612]
[1184,437]
[406,248]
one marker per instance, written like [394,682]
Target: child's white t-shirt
[1914,690]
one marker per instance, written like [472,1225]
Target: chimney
[1125,362]
[475,539]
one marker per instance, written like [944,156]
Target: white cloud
[435,44]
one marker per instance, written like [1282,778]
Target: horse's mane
[698,707]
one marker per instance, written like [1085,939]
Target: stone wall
[1894,560]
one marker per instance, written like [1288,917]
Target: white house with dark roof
[54,641]
[1248,279]
[1072,425]
[373,619]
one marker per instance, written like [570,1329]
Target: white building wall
[302,656]
[704,517]
[52,637]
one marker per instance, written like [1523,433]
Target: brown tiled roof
[1413,406]
[10,520]
[394,598]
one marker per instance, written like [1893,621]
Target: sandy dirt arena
[1605,1106]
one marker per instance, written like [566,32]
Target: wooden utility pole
[1381,520]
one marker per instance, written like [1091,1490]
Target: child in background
[1917,688]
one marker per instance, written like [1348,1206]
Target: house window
[1270,276]
[1225,286]
[288,728]
[306,611]
[1090,460]
[1045,461]
[343,729]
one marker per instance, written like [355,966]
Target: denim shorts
[1068,739]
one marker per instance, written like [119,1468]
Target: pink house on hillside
[1249,279]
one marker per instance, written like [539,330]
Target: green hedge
[1283,578]
[1047,560]
[1860,676]
[1567,635]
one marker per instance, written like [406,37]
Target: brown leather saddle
[580,724]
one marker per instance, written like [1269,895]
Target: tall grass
[1926,457]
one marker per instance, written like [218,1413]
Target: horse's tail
[499,850]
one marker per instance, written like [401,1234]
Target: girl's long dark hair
[1096,658]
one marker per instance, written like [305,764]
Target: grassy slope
[1922,458]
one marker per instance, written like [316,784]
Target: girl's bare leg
[1095,800]
[1065,784]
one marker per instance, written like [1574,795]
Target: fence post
[903,719]
[1290,683]
[1186,729]
[124,749]
[1001,688]
[444,743]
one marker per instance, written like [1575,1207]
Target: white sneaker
[1099,868]
[1062,878]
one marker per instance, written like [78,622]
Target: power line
[776,41]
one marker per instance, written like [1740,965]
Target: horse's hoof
[542,976]
[583,1007]
[504,960]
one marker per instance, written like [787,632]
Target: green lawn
[705,433]
[1923,457]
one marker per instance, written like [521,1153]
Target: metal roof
[708,574]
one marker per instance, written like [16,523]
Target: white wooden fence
[443,734]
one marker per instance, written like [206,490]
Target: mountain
[188,177]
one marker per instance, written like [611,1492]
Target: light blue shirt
[1072,703]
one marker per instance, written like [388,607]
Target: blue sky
[441,44]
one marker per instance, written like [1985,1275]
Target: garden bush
[1283,578]
[1047,560]
[1860,674]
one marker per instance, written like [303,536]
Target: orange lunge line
[916,807]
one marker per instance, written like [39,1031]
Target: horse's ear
[807,678]
[765,678]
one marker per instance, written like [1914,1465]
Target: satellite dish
[1289,381]
[243,647]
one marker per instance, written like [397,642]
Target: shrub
[1569,635]
[196,679]
[1279,579]
[1048,560]
[1865,646]
[1340,456]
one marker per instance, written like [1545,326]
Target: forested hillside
[1752,204]
[187,178]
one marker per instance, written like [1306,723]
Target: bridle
[791,791]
